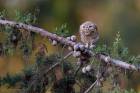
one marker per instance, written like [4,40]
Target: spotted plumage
[88,33]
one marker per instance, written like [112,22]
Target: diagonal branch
[108,59]
[40,31]
[62,40]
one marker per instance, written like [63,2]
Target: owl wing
[95,38]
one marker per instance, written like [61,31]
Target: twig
[64,41]
[53,66]
[78,68]
[69,54]
[78,83]
[56,64]
[91,87]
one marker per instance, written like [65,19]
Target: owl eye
[83,26]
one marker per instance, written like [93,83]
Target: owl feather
[88,33]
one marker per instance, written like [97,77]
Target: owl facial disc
[88,27]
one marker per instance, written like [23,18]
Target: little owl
[88,33]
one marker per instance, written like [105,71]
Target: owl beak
[87,33]
[94,30]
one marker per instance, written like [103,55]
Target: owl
[88,33]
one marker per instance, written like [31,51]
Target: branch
[64,41]
[40,31]
[91,87]
[58,63]
[108,59]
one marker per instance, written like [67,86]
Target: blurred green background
[110,16]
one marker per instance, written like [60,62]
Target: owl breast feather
[90,39]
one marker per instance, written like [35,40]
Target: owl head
[88,27]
